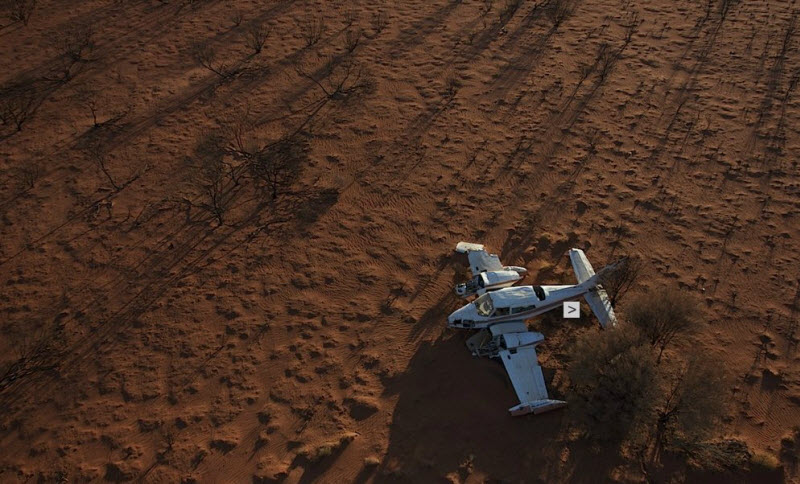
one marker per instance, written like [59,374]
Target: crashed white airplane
[488,273]
[515,346]
[500,310]
[525,302]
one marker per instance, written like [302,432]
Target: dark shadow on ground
[452,406]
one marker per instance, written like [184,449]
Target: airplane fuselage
[514,303]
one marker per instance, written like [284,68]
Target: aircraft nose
[455,316]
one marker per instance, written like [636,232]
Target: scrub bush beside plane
[501,308]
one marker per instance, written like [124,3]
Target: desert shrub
[214,175]
[613,382]
[341,82]
[350,17]
[313,28]
[257,35]
[720,456]
[378,23]
[558,11]
[618,281]
[99,158]
[29,174]
[90,98]
[275,167]
[21,10]
[74,46]
[764,462]
[452,85]
[352,37]
[693,403]
[17,105]
[237,17]
[661,314]
[328,448]
[35,350]
[204,55]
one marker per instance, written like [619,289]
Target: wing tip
[465,247]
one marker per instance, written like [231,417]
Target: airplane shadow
[451,421]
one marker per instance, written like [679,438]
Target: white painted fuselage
[515,303]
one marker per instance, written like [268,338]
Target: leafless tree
[213,176]
[35,352]
[606,60]
[631,25]
[21,10]
[29,174]
[235,130]
[206,56]
[558,11]
[257,35]
[452,85]
[74,46]
[352,37]
[378,23]
[237,17]
[350,17]
[17,105]
[99,157]
[276,166]
[662,314]
[91,99]
[313,29]
[620,280]
[341,82]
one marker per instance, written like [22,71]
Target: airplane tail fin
[597,298]
[536,407]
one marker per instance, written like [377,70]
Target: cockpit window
[539,292]
[484,305]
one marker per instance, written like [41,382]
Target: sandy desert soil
[304,336]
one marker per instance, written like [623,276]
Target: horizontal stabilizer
[580,264]
[601,306]
[464,247]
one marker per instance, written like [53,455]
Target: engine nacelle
[517,340]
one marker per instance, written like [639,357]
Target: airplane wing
[525,373]
[526,376]
[481,261]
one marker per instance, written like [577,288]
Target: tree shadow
[451,420]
